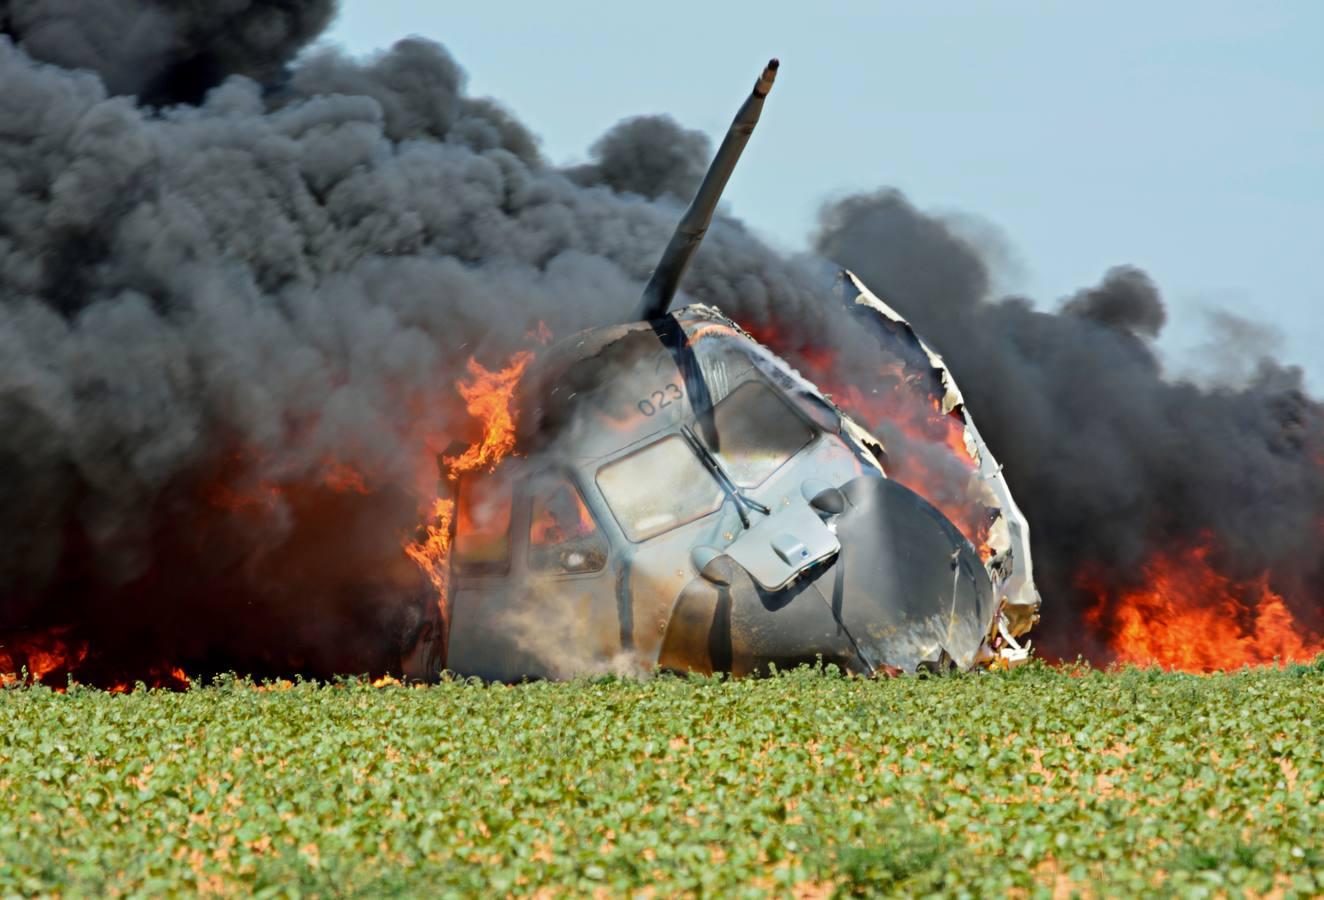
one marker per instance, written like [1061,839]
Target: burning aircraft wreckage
[246,304]
[673,495]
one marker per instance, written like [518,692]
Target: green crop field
[1035,782]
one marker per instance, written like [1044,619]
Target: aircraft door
[574,623]
[534,597]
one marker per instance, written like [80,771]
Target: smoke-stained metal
[694,224]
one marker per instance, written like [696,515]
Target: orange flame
[343,478]
[560,518]
[263,495]
[489,398]
[51,657]
[1190,617]
[43,655]
[431,552]
[540,334]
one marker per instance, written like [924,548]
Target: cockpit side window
[482,525]
[563,538]
[757,432]
[658,488]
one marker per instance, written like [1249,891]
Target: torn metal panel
[1010,567]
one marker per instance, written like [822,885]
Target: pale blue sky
[1183,137]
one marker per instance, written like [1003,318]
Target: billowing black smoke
[236,289]
[166,51]
[649,155]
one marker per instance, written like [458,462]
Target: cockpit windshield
[756,433]
[659,488]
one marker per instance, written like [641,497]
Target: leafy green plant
[1036,781]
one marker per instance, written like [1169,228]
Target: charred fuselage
[688,501]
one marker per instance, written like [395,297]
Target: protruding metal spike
[666,277]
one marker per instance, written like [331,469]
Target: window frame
[532,484]
[790,408]
[640,447]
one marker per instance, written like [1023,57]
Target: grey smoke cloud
[652,156]
[1126,298]
[1233,350]
[166,51]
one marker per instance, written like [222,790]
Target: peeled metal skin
[908,586]
[907,590]
[1011,566]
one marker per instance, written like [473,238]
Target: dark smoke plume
[166,51]
[236,290]
[1126,299]
[652,156]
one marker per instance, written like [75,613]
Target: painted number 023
[660,399]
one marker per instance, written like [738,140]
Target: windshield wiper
[714,466]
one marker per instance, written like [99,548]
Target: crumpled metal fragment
[1010,568]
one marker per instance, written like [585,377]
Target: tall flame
[1190,617]
[489,398]
[431,549]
